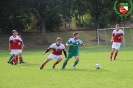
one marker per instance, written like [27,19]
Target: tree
[99,9]
[44,10]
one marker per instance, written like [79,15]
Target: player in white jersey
[57,48]
[117,36]
[13,46]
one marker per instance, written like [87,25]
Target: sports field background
[113,74]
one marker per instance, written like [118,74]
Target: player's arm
[9,45]
[64,51]
[112,39]
[10,41]
[48,49]
[68,44]
[84,47]
[122,35]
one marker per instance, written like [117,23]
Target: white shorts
[52,56]
[116,45]
[20,51]
[13,51]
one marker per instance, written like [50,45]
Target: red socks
[56,62]
[14,61]
[42,66]
[115,54]
[111,55]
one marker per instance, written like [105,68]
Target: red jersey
[20,44]
[14,41]
[116,34]
[57,50]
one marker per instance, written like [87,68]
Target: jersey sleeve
[51,46]
[69,41]
[10,39]
[113,34]
[81,42]
[122,33]
[63,47]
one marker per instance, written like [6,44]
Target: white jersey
[57,50]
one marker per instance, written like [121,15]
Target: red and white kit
[20,46]
[14,42]
[116,40]
[57,51]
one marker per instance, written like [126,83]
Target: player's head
[117,27]
[14,32]
[58,40]
[19,34]
[76,35]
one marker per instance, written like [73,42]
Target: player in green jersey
[73,44]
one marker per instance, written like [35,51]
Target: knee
[66,60]
[59,59]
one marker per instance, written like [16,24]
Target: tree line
[50,14]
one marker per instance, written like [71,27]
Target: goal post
[103,35]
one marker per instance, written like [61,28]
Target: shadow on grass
[28,64]
[124,60]
[82,70]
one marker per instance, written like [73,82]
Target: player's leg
[20,58]
[76,61]
[117,49]
[70,55]
[44,63]
[50,57]
[115,54]
[10,58]
[113,49]
[22,61]
[59,59]
[15,54]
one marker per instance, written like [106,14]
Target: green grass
[115,74]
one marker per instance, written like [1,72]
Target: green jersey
[74,44]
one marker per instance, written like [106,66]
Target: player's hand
[119,37]
[69,45]
[43,53]
[111,40]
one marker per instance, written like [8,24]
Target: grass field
[115,74]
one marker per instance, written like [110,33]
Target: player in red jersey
[14,41]
[117,36]
[57,48]
[20,48]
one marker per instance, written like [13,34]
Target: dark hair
[75,33]
[19,33]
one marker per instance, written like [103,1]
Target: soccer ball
[97,66]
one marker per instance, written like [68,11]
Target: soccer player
[20,47]
[13,46]
[57,48]
[73,44]
[117,36]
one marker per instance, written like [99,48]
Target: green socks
[22,60]
[64,64]
[10,58]
[75,63]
